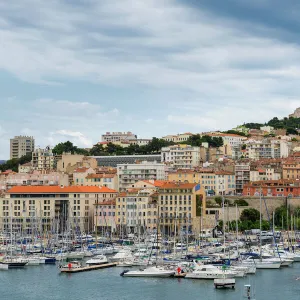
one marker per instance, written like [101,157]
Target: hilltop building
[181,156]
[21,146]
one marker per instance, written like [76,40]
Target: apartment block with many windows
[53,207]
[21,146]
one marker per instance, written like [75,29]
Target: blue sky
[72,70]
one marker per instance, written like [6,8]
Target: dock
[224,283]
[87,268]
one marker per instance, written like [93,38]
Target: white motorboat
[149,272]
[33,261]
[14,262]
[121,255]
[210,272]
[97,260]
[125,263]
[262,263]
[71,266]
[103,251]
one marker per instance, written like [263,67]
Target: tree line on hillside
[290,124]
[153,147]
[13,164]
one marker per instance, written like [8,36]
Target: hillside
[290,124]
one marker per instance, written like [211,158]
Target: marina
[46,283]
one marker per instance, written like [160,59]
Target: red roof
[176,185]
[100,176]
[156,183]
[81,170]
[43,189]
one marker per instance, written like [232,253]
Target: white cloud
[204,71]
[76,137]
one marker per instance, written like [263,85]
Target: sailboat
[10,261]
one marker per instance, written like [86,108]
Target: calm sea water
[45,282]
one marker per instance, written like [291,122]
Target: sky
[74,69]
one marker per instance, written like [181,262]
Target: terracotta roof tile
[90,176]
[58,189]
[176,185]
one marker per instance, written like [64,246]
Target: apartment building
[113,137]
[140,142]
[21,146]
[52,206]
[11,179]
[129,174]
[233,140]
[266,149]
[291,169]
[137,211]
[178,138]
[179,207]
[265,174]
[107,180]
[242,176]
[43,159]
[273,188]
[181,156]
[80,174]
[114,160]
[104,217]
[213,182]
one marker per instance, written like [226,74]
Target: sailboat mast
[260,223]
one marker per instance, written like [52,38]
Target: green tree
[64,147]
[98,150]
[218,200]
[241,202]
[250,214]
[13,164]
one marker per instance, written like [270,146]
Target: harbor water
[46,283]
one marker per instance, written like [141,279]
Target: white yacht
[121,255]
[210,272]
[149,272]
[97,260]
[262,263]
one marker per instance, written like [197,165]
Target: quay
[87,268]
[224,283]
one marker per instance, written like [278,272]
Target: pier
[87,268]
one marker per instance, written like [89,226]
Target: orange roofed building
[63,205]
[180,206]
[273,188]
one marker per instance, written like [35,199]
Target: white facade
[265,174]
[267,128]
[112,137]
[43,159]
[140,142]
[129,174]
[181,156]
[183,137]
[20,146]
[267,149]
